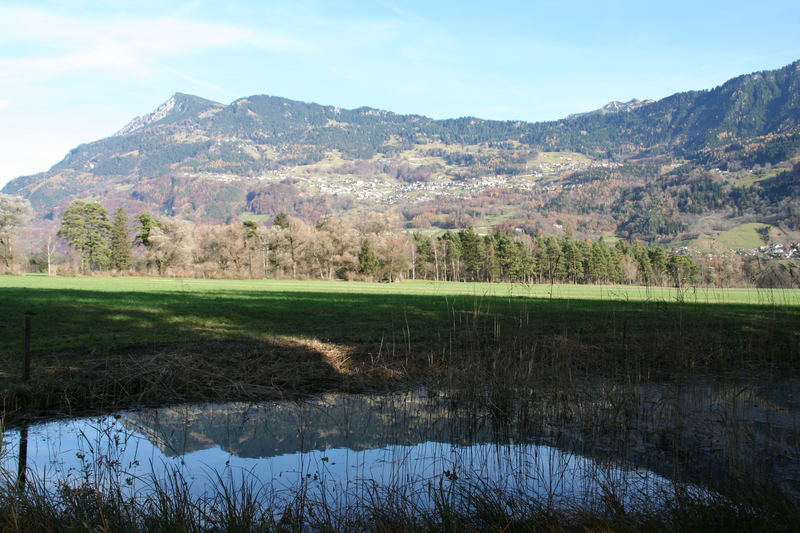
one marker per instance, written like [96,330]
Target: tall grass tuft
[245,506]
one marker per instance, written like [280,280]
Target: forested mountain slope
[260,155]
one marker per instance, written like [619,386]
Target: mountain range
[645,169]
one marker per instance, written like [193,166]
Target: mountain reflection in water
[338,447]
[329,421]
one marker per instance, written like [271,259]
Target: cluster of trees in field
[370,249]
[506,256]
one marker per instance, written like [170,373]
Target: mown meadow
[94,313]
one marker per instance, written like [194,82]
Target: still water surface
[343,449]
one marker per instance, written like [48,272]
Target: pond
[641,443]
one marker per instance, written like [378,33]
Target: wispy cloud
[4,104]
[202,83]
[66,43]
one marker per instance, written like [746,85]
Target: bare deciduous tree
[170,245]
[14,212]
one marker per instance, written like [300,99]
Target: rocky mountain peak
[140,122]
[615,106]
[179,104]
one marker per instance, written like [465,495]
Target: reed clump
[169,506]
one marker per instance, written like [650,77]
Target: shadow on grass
[94,319]
[106,348]
[171,373]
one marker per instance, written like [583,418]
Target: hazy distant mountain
[209,161]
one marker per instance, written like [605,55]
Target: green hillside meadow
[743,236]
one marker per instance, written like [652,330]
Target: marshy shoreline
[84,381]
[660,419]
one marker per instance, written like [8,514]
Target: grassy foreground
[105,343]
[469,510]
[108,342]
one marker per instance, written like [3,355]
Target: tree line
[370,249]
[373,247]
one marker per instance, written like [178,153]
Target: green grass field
[101,344]
[745,236]
[101,312]
[748,180]
[742,236]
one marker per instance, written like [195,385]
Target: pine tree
[146,225]
[615,265]
[121,254]
[510,256]
[451,256]
[583,261]
[368,264]
[281,220]
[642,259]
[530,264]
[86,228]
[598,262]
[473,252]
[658,260]
[423,255]
[571,263]
[550,265]
[98,232]
[250,236]
[73,228]
[683,270]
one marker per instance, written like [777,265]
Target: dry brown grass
[82,382]
[173,373]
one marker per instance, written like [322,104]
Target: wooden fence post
[26,348]
[22,460]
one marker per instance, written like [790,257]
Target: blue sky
[73,72]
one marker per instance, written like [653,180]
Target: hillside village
[539,175]
[773,251]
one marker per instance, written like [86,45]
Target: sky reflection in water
[336,448]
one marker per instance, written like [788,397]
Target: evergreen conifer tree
[86,228]
[121,254]
[368,264]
